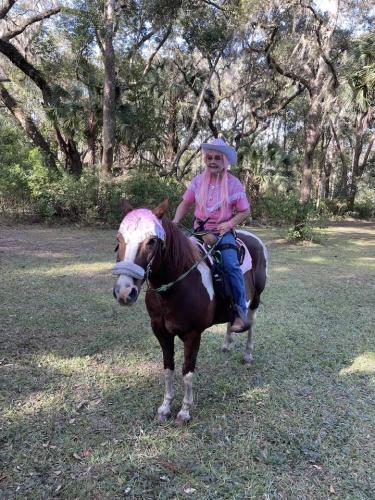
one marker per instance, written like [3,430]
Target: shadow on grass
[249,427]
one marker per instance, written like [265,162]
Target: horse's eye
[151,242]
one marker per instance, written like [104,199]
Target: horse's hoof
[225,348]
[182,419]
[161,417]
[248,361]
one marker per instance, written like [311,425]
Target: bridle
[135,271]
[167,286]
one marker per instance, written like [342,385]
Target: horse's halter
[133,270]
[148,271]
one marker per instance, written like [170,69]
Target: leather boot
[241,321]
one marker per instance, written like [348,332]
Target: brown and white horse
[152,248]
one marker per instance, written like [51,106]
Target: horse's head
[140,236]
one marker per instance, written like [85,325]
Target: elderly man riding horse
[181,299]
[220,205]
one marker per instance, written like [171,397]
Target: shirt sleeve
[241,203]
[189,194]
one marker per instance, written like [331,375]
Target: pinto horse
[180,298]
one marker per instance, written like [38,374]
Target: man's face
[214,161]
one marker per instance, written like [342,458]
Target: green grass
[81,379]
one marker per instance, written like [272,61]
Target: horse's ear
[125,207]
[161,209]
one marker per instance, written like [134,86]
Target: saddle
[219,278]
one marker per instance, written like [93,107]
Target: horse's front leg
[191,348]
[166,341]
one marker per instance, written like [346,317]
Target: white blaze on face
[137,226]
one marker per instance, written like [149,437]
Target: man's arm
[223,227]
[182,209]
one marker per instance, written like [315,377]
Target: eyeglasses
[214,157]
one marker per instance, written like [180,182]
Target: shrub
[276,208]
[140,191]
[365,209]
[311,229]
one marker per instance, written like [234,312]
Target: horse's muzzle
[125,297]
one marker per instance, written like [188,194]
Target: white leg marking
[206,279]
[184,414]
[229,340]
[165,409]
[248,354]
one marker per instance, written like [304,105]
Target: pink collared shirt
[238,201]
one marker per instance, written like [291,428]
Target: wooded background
[104,98]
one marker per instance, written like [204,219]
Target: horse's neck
[167,272]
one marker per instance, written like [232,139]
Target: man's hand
[182,209]
[224,227]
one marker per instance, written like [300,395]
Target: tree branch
[139,44]
[367,154]
[317,30]
[8,4]
[28,22]
[161,43]
[275,65]
[189,136]
[28,125]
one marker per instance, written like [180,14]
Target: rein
[167,286]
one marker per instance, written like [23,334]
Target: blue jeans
[232,268]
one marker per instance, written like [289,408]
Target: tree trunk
[361,127]
[91,134]
[312,137]
[68,147]
[29,127]
[343,187]
[171,137]
[321,171]
[109,94]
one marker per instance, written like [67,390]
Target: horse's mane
[180,250]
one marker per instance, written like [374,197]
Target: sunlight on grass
[365,363]
[366,261]
[35,403]
[280,269]
[366,231]
[132,365]
[71,269]
[363,243]
[257,394]
[315,260]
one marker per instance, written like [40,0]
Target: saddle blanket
[247,263]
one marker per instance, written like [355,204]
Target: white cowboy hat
[222,147]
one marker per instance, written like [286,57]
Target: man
[220,205]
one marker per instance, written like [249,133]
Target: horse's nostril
[133,295]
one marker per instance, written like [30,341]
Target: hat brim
[228,151]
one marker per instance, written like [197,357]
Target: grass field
[81,379]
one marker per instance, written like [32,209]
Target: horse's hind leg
[248,354]
[229,340]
